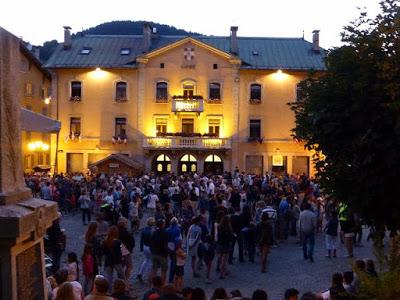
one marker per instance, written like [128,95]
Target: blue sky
[42,20]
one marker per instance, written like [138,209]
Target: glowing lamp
[47,100]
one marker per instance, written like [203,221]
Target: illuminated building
[176,103]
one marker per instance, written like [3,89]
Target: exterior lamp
[38,146]
[47,101]
[279,75]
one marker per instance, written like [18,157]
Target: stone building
[181,103]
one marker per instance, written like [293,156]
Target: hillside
[116,27]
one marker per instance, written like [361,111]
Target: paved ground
[286,266]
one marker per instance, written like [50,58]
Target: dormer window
[125,51]
[86,50]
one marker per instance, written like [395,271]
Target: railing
[178,142]
[187,105]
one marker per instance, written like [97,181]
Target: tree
[350,116]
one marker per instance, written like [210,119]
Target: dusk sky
[40,21]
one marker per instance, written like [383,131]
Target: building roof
[32,58]
[31,121]
[122,158]
[255,52]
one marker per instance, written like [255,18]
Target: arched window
[163,157]
[214,92]
[161,91]
[120,91]
[188,157]
[213,158]
[255,93]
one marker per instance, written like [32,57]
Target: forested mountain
[116,27]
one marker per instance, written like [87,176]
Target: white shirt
[152,200]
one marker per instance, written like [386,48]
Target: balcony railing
[184,104]
[179,142]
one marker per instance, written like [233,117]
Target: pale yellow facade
[98,109]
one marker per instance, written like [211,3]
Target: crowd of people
[195,220]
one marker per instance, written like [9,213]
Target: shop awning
[31,121]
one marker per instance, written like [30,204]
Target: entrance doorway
[187,163]
[187,126]
[213,165]
[162,164]
[74,162]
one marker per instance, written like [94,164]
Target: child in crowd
[88,269]
[180,266]
[72,266]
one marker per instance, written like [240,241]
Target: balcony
[184,142]
[188,104]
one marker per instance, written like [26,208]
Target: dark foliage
[351,114]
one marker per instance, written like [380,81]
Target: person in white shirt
[152,200]
[109,199]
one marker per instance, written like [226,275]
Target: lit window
[188,90]
[76,90]
[255,93]
[188,157]
[86,50]
[120,127]
[120,91]
[255,129]
[214,91]
[214,127]
[193,168]
[161,125]
[184,168]
[75,126]
[159,167]
[213,158]
[125,51]
[161,91]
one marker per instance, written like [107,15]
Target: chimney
[315,41]
[234,40]
[67,38]
[147,33]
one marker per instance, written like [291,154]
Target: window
[188,90]
[215,66]
[161,92]
[120,91]
[255,93]
[255,129]
[214,91]
[86,50]
[43,93]
[213,158]
[161,125]
[29,89]
[120,127]
[162,65]
[76,90]
[300,95]
[125,51]
[75,126]
[187,125]
[214,127]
